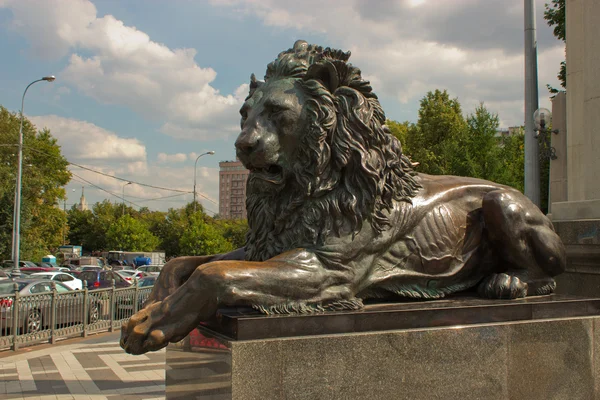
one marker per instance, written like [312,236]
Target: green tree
[44,175]
[451,145]
[555,17]
[482,150]
[153,220]
[105,215]
[234,231]
[130,234]
[201,238]
[512,154]
[80,223]
[171,230]
[439,136]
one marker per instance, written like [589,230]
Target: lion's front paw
[149,330]
[502,286]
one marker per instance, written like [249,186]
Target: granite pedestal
[582,243]
[544,347]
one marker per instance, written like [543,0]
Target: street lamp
[542,118]
[16,234]
[195,164]
[128,183]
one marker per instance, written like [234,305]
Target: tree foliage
[512,155]
[130,234]
[44,175]
[443,142]
[482,152]
[437,138]
[555,16]
[234,231]
[177,232]
[200,238]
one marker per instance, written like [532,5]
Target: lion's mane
[349,169]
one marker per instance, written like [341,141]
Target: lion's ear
[254,84]
[326,73]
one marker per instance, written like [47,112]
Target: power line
[163,197]
[123,179]
[143,199]
[140,199]
[128,180]
[104,190]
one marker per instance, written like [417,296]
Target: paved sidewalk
[92,368]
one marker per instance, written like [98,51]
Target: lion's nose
[246,143]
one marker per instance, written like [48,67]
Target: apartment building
[232,190]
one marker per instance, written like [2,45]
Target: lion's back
[437,238]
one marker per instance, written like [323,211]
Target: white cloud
[81,140]
[118,64]
[104,151]
[176,158]
[472,48]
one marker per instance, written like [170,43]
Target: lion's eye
[274,110]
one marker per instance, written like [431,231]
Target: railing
[47,317]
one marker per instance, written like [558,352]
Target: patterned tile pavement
[92,368]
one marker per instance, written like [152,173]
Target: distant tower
[82,206]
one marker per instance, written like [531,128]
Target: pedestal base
[582,242]
[538,348]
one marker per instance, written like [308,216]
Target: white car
[152,270]
[129,275]
[62,277]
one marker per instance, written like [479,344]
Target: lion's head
[321,159]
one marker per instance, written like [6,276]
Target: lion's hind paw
[502,286]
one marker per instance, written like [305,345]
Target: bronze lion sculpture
[337,215]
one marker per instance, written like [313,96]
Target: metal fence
[47,317]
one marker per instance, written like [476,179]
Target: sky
[144,87]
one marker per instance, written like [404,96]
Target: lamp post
[542,119]
[532,162]
[16,234]
[195,164]
[128,183]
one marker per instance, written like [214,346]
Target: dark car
[124,306]
[8,264]
[102,279]
[147,281]
[34,311]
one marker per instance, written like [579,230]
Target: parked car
[124,306]
[89,268]
[22,264]
[147,281]
[102,279]
[151,269]
[44,264]
[34,313]
[75,273]
[31,270]
[130,275]
[66,279]
[3,275]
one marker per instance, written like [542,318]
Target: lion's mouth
[270,173]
